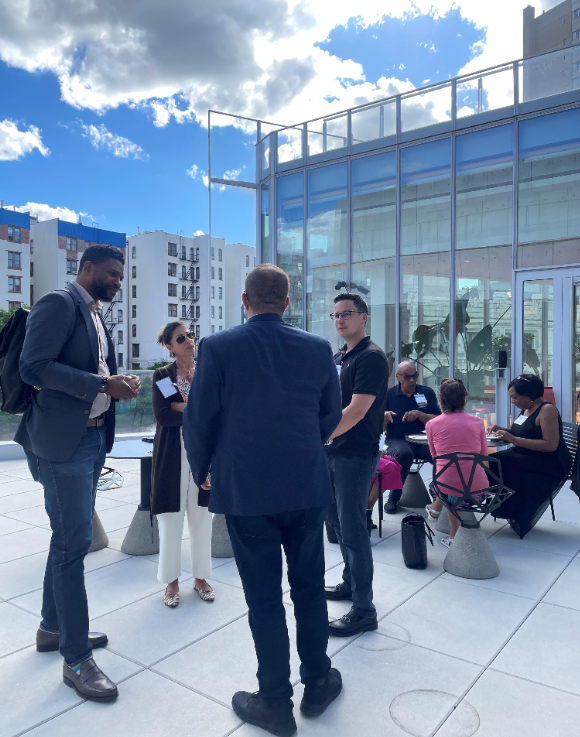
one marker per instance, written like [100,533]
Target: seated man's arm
[432,410]
[48,328]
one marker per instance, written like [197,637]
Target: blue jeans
[69,497]
[351,479]
[257,542]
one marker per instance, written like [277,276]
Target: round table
[140,538]
[421,439]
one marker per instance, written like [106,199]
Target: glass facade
[289,238]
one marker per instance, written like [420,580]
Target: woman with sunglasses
[173,491]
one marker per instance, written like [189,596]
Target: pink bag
[390,472]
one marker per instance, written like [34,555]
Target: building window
[577,34]
[136,366]
[564,20]
[171,269]
[133,331]
[31,247]
[220,274]
[221,327]
[14,260]
[184,292]
[134,252]
[31,268]
[212,272]
[577,13]
[13,234]
[133,272]
[184,272]
[564,42]
[183,251]
[197,331]
[198,311]
[196,254]
[221,293]
[220,313]
[212,312]
[213,328]
[135,350]
[71,267]
[247,261]
[172,249]
[134,291]
[119,337]
[71,243]
[14,305]
[172,290]
[31,295]
[197,292]
[120,315]
[191,254]
[213,292]
[119,360]
[220,254]
[134,311]
[183,310]
[172,310]
[14,284]
[212,253]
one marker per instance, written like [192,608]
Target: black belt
[96,421]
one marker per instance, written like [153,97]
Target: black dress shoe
[338,592]
[352,624]
[319,694]
[273,715]
[90,682]
[47,642]
[392,501]
[370,524]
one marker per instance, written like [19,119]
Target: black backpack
[15,395]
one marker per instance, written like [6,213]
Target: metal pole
[382,121]
[517,330]
[304,249]
[398,270]
[258,179]
[209,227]
[348,223]
[452,284]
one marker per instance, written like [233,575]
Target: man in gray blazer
[70,359]
[264,399]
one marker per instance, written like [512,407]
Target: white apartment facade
[240,260]
[15,247]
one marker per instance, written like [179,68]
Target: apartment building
[240,260]
[56,247]
[16,246]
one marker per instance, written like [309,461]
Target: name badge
[421,400]
[520,421]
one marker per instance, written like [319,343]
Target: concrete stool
[470,555]
[221,546]
[100,539]
[415,492]
[442,524]
[141,538]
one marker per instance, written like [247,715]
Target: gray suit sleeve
[48,328]
[201,418]
[331,401]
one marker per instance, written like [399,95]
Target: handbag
[414,533]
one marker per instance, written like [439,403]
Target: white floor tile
[22,500]
[109,588]
[566,507]
[566,590]
[561,538]
[117,518]
[147,630]
[389,552]
[511,707]
[464,621]
[26,542]
[17,629]
[9,525]
[228,573]
[545,649]
[35,699]
[116,538]
[101,503]
[523,571]
[12,485]
[148,706]
[35,516]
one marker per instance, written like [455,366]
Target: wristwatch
[104,385]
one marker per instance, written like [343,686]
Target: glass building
[454,210]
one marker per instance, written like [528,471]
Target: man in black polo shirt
[408,408]
[353,455]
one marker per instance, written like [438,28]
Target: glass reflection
[326,246]
[265,229]
[538,332]
[290,223]
[425,246]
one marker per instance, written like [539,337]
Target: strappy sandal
[432,513]
[446,541]
[205,595]
[171,601]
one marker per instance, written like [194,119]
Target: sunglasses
[408,377]
[181,338]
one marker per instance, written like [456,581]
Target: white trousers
[171,531]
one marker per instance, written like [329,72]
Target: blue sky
[122,156]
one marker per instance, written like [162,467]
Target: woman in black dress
[539,459]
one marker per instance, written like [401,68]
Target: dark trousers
[257,542]
[351,479]
[69,497]
[405,453]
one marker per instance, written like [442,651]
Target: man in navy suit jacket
[264,399]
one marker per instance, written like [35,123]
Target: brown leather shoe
[90,682]
[47,642]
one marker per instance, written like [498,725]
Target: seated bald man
[409,407]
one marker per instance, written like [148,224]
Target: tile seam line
[494,658]
[536,683]
[538,550]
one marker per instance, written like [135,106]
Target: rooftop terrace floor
[451,657]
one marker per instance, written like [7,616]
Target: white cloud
[196,173]
[100,137]
[16,143]
[250,57]
[47,212]
[198,232]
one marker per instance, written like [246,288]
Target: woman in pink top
[451,432]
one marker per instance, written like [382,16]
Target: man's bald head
[406,367]
[407,377]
